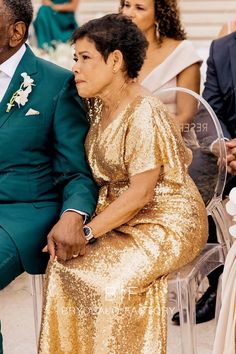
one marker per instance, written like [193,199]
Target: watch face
[87,230]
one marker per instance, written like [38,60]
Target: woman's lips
[79,81]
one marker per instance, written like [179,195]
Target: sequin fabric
[113,300]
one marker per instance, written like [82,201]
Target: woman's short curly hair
[167,16]
[116,32]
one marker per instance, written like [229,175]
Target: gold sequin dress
[113,300]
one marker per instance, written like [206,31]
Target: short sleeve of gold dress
[115,297]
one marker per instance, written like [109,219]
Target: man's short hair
[20,10]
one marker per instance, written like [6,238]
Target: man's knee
[8,272]
[10,262]
[10,268]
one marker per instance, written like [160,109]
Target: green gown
[53,26]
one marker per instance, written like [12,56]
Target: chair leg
[219,216]
[187,310]
[218,300]
[37,293]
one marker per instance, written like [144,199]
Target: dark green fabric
[53,26]
[10,262]
[10,265]
[43,169]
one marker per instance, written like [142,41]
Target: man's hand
[67,239]
[231,156]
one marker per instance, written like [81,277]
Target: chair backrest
[199,130]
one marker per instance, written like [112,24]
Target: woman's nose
[75,68]
[129,12]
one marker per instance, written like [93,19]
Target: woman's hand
[70,6]
[66,239]
[231,156]
[47,2]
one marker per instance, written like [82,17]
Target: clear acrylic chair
[208,170]
[37,297]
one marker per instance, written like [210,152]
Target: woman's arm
[139,193]
[185,104]
[66,7]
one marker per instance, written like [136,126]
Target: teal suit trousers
[10,265]
[10,262]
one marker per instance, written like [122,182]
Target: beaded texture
[113,300]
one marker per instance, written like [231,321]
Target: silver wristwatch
[89,234]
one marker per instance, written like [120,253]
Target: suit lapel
[27,64]
[232,49]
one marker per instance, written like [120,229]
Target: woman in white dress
[225,338]
[171,59]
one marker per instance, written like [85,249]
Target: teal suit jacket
[43,168]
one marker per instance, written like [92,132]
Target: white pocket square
[32,112]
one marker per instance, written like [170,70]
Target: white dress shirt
[8,68]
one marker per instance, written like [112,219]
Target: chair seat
[211,257]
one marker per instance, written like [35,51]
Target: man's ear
[17,33]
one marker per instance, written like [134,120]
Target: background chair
[208,171]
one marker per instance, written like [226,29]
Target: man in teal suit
[45,182]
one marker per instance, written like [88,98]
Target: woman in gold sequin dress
[150,219]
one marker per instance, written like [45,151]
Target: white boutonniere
[21,95]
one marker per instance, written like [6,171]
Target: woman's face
[141,12]
[92,73]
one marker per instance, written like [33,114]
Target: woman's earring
[114,71]
[157,30]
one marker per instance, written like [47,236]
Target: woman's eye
[75,59]
[140,8]
[126,5]
[85,57]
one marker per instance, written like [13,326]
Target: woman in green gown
[55,22]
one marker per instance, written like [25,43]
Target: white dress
[225,333]
[165,74]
